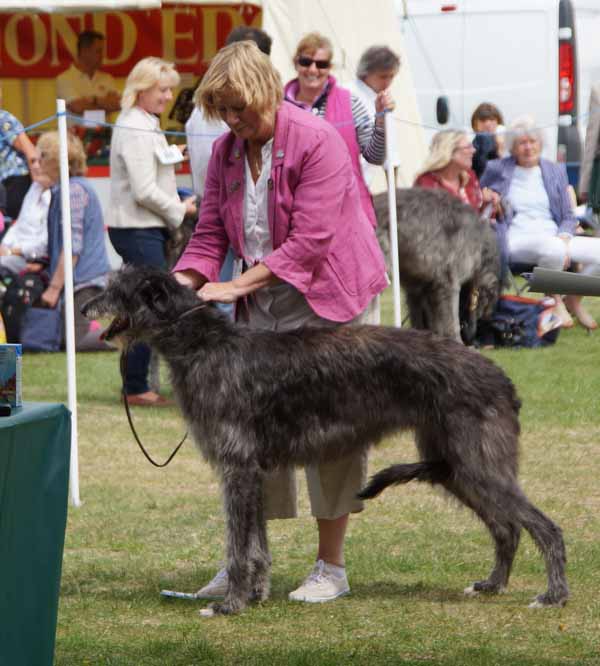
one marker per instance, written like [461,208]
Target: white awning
[74,6]
[77,6]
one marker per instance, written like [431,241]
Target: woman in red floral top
[448,167]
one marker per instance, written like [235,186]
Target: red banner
[44,45]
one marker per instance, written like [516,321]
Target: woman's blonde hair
[145,74]
[311,43]
[242,71]
[442,147]
[48,146]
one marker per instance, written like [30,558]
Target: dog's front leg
[239,491]
[259,549]
[444,308]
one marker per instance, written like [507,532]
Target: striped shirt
[370,137]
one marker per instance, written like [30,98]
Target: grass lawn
[409,555]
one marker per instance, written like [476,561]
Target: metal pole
[391,180]
[68,305]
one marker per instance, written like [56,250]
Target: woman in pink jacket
[280,189]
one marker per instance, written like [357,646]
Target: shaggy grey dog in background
[449,261]
[258,400]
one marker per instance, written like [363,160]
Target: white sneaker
[325,582]
[216,589]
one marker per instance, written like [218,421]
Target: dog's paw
[483,587]
[549,601]
[221,608]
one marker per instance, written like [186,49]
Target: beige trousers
[332,486]
[332,489]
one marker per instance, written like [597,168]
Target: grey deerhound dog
[258,400]
[449,260]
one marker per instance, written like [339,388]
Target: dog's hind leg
[472,489]
[505,533]
[503,506]
[548,538]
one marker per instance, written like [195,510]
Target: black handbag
[520,322]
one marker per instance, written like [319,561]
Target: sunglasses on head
[305,61]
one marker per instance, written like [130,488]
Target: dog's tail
[432,472]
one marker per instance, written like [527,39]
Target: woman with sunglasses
[316,90]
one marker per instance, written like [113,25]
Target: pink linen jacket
[323,243]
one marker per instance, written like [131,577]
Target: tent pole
[391,182]
[68,299]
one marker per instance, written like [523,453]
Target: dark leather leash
[123,368]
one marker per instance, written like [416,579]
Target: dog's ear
[155,295]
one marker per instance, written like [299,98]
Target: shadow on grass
[422,591]
[111,584]
[192,651]
[280,586]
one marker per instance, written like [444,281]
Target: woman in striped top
[316,90]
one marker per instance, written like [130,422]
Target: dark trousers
[140,247]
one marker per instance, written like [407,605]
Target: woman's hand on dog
[254,278]
[222,292]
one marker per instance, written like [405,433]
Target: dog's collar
[191,310]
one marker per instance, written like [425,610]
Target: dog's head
[140,301]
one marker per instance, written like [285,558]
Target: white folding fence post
[391,180]
[69,305]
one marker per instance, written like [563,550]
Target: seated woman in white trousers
[541,224]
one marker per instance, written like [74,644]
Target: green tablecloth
[35,444]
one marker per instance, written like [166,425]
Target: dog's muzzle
[118,325]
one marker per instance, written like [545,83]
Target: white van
[535,57]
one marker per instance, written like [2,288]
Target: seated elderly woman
[90,259]
[541,224]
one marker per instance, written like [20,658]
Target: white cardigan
[143,191]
